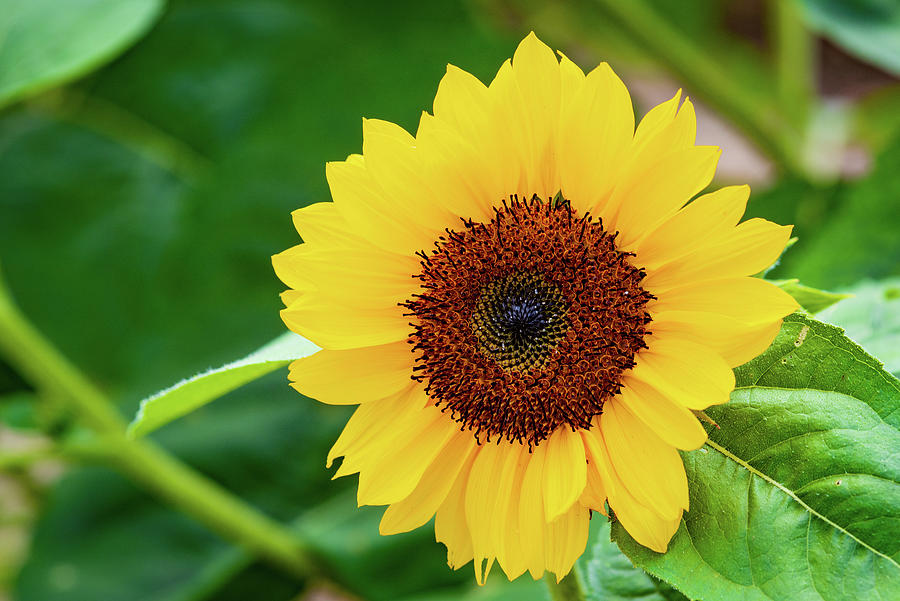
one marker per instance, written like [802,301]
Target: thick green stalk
[794,59]
[50,372]
[568,589]
[751,111]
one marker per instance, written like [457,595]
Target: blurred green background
[145,184]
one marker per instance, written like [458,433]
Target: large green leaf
[872,319]
[44,43]
[869,29]
[797,495]
[191,394]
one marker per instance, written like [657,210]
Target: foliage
[188,395]
[798,492]
[46,43]
[872,319]
[139,206]
[865,27]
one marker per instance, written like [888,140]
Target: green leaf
[177,269]
[870,29]
[797,495]
[872,319]
[17,410]
[44,43]
[191,394]
[812,300]
[854,235]
[101,537]
[608,575]
[162,275]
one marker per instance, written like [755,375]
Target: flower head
[527,305]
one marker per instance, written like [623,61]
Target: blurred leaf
[144,276]
[608,575]
[798,494]
[102,538]
[497,588]
[375,566]
[877,118]
[84,230]
[812,300]
[191,394]
[872,319]
[99,537]
[143,273]
[869,29]
[17,410]
[854,232]
[44,43]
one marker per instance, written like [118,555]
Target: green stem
[50,372]
[568,589]
[17,460]
[794,59]
[751,111]
[125,128]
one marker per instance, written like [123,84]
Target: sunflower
[529,309]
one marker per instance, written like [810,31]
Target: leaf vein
[797,499]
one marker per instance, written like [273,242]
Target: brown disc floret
[526,322]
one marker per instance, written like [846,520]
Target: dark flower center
[518,320]
[526,322]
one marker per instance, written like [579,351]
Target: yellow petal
[735,341]
[368,214]
[386,417]
[462,101]
[710,215]
[685,371]
[565,472]
[289,297]
[355,375]
[595,135]
[567,538]
[749,248]
[746,299]
[643,524]
[595,492]
[334,326]
[672,422]
[488,497]
[465,104]
[397,168]
[648,467]
[538,77]
[353,276]
[391,467]
[462,178]
[322,225]
[531,513]
[513,126]
[416,509]
[511,555]
[656,121]
[655,193]
[450,525]
[571,80]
